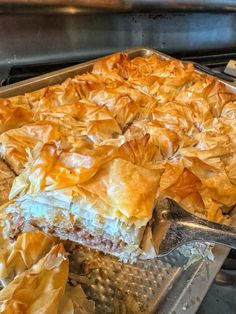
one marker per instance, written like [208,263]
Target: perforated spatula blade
[174,226]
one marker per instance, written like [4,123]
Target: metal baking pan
[162,284]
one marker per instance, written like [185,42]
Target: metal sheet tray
[161,285]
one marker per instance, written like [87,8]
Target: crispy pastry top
[125,133]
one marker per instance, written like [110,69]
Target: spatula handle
[186,227]
[207,231]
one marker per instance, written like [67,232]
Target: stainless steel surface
[219,299]
[192,286]
[33,39]
[159,284]
[226,277]
[198,5]
[68,7]
[174,226]
[210,71]
[147,281]
[73,6]
[88,3]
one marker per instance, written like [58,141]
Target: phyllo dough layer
[94,154]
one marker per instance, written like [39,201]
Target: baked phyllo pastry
[101,196]
[40,288]
[14,113]
[15,143]
[6,179]
[104,146]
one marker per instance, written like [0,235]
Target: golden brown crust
[14,114]
[132,130]
[6,179]
[47,279]
[15,143]
[124,102]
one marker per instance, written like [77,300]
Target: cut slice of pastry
[100,196]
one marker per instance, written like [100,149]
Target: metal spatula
[175,226]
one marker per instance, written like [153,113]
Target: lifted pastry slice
[106,206]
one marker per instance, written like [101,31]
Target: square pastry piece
[94,154]
[95,195]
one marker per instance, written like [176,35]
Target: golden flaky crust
[14,143]
[125,133]
[40,288]
[14,112]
